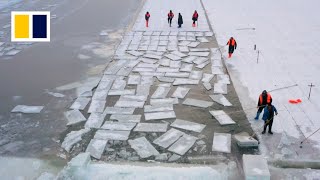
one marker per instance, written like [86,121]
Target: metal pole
[311,85]
[283,88]
[258,56]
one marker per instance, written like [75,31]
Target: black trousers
[231,49]
[261,108]
[170,21]
[268,123]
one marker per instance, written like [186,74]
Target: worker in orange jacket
[195,17]
[264,99]
[147,16]
[170,17]
[232,46]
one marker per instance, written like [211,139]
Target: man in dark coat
[232,46]
[180,21]
[264,99]
[147,16]
[268,114]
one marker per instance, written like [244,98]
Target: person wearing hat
[264,99]
[268,113]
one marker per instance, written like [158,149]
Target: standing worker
[180,21]
[170,17]
[268,115]
[147,16]
[232,46]
[195,18]
[264,99]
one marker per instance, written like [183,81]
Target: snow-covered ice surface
[287,36]
[158,16]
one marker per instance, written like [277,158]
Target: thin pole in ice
[311,86]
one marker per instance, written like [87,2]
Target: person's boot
[229,55]
[264,129]
[270,132]
[257,116]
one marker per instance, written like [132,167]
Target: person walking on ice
[170,17]
[147,16]
[232,46]
[195,18]
[180,20]
[268,114]
[264,99]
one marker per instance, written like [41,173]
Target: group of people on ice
[170,17]
[269,111]
[265,99]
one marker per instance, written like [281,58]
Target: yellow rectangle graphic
[21,29]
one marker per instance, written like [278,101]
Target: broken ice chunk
[27,109]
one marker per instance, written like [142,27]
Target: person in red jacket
[195,18]
[147,16]
[264,99]
[170,17]
[232,46]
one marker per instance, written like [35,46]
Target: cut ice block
[186,67]
[118,110]
[133,104]
[244,140]
[219,98]
[255,167]
[180,92]
[161,92]
[27,109]
[134,79]
[201,54]
[221,142]
[168,138]
[183,144]
[220,88]
[197,103]
[188,125]
[72,138]
[143,147]
[112,135]
[96,147]
[126,118]
[158,108]
[185,81]
[207,77]
[154,102]
[222,117]
[95,120]
[207,85]
[195,75]
[151,127]
[120,126]
[159,115]
[74,117]
[96,106]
